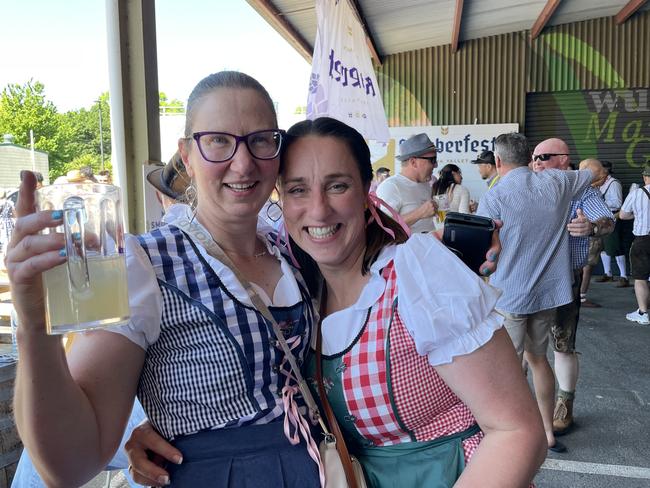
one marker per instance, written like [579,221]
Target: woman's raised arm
[70,412]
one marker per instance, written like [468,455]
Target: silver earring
[274,214]
[190,195]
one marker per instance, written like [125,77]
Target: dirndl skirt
[254,456]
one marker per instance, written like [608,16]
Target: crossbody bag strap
[341,447]
[215,250]
[645,191]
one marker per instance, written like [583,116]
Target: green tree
[167,106]
[80,129]
[25,107]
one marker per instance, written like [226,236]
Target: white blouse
[459,201]
[448,310]
[145,298]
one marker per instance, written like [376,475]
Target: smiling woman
[421,377]
[203,360]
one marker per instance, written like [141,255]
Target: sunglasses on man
[547,156]
[431,159]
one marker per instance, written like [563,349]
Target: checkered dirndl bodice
[384,393]
[216,363]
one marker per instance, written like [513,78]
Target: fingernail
[163,480]
[76,236]
[57,215]
[492,257]
[485,271]
[178,459]
[63,252]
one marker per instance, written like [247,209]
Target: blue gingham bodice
[216,362]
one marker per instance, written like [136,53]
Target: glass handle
[74,216]
[106,243]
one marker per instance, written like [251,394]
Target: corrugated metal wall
[609,133]
[486,81]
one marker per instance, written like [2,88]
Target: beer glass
[443,207]
[89,290]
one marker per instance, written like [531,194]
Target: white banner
[343,83]
[455,144]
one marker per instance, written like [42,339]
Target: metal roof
[396,26]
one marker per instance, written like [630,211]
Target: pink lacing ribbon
[283,235]
[293,417]
[374,203]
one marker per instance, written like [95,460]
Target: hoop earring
[277,212]
[190,196]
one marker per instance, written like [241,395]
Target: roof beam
[458,14]
[544,17]
[625,13]
[372,45]
[277,20]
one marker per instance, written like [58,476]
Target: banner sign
[455,144]
[343,83]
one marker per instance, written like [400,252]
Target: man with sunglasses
[409,192]
[590,217]
[534,264]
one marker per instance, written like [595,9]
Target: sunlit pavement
[610,445]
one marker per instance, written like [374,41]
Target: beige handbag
[341,469]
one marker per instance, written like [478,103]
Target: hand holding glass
[89,290]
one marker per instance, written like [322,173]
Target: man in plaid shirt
[589,216]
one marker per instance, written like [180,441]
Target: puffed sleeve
[448,310]
[145,299]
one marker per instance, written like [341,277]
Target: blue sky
[63,45]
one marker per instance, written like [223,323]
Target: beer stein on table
[89,290]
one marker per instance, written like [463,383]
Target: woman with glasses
[449,183]
[202,359]
[420,375]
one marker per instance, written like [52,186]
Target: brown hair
[223,79]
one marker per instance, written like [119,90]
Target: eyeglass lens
[220,146]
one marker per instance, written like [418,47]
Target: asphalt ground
[610,445]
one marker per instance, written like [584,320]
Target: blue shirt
[594,207]
[534,269]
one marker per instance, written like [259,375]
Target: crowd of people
[422,360]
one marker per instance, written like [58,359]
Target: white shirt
[406,195]
[638,203]
[459,199]
[612,191]
[145,298]
[448,309]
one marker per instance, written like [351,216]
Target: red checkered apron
[392,393]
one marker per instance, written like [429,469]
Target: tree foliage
[71,139]
[24,107]
[173,106]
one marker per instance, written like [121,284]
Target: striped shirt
[534,269]
[638,203]
[612,191]
[594,207]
